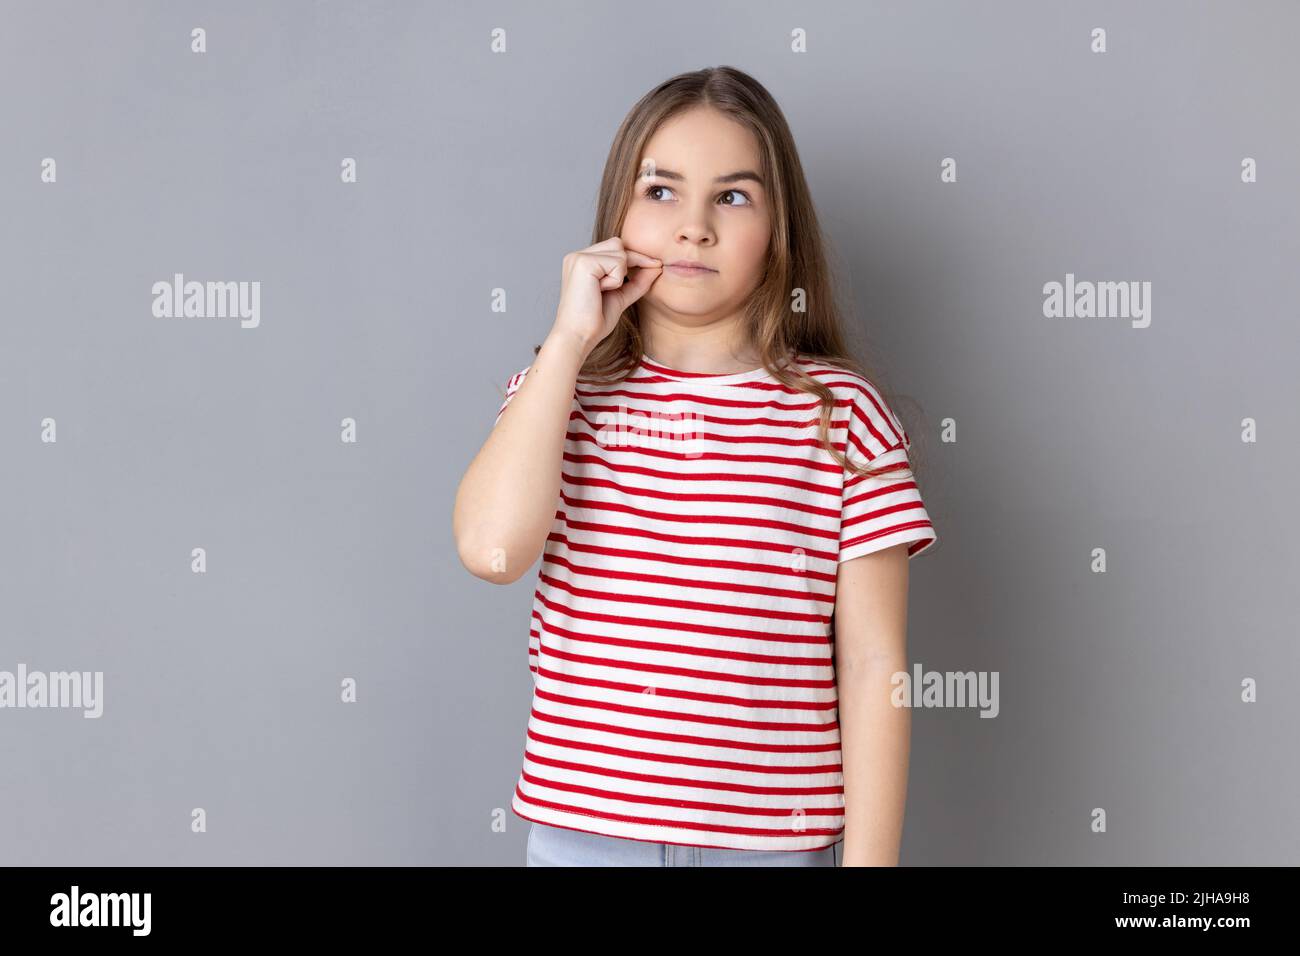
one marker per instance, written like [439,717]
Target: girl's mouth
[682,269]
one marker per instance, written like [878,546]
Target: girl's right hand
[599,283]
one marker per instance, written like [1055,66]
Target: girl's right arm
[505,505]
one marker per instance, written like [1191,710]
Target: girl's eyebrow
[729,178]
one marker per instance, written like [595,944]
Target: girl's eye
[650,193]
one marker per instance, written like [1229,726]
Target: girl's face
[698,196]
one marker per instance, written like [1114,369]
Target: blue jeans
[561,846]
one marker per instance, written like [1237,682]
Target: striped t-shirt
[681,636]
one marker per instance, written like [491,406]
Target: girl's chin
[686,299]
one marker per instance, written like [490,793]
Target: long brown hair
[797,260]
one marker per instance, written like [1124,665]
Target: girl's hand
[598,287]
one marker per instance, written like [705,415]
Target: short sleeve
[883,511]
[512,386]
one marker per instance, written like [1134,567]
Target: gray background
[477,171]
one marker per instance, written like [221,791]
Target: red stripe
[684,782]
[611,707]
[748,522]
[681,824]
[831,747]
[627,468]
[622,531]
[888,531]
[683,626]
[584,438]
[728,586]
[648,600]
[776,703]
[551,555]
[699,497]
[669,648]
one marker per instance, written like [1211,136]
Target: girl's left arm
[875,736]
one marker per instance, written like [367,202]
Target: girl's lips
[685,270]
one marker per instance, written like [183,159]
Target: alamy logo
[102,909]
[55,689]
[1104,300]
[681,432]
[924,688]
[208,300]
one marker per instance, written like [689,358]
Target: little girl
[724,508]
